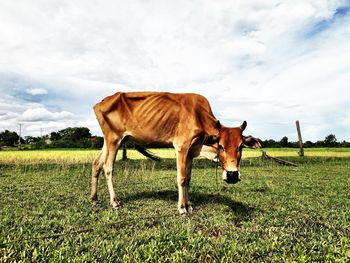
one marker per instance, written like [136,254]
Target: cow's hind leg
[97,165]
[188,205]
[111,153]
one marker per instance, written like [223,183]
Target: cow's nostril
[232,177]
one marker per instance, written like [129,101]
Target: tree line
[80,137]
[71,137]
[329,141]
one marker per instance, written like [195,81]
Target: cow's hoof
[96,204]
[189,209]
[116,208]
[185,211]
[116,205]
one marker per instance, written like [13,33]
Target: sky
[267,62]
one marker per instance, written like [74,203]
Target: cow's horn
[243,126]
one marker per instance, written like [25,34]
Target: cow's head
[229,144]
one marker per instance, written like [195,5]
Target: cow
[161,119]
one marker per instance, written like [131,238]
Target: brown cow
[153,119]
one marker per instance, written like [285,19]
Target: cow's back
[155,116]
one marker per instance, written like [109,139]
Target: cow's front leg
[183,179]
[108,169]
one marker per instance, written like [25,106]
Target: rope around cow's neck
[216,170]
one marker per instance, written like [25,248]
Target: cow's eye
[221,148]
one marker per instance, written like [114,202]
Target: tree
[31,139]
[309,144]
[54,136]
[72,137]
[40,144]
[8,138]
[344,144]
[96,142]
[320,144]
[284,142]
[330,141]
[271,143]
[83,132]
[74,134]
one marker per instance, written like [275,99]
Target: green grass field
[276,213]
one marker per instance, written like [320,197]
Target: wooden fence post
[301,151]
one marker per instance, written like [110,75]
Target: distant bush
[96,142]
[41,144]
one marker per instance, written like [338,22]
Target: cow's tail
[146,153]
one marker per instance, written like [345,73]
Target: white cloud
[7,116]
[254,60]
[36,91]
[43,128]
[42,114]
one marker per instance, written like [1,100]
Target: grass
[86,156]
[276,213]
[75,156]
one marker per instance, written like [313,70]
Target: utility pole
[301,151]
[41,132]
[20,133]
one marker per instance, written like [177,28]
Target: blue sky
[267,62]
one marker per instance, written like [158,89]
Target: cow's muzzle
[232,177]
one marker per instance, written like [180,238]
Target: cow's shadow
[241,211]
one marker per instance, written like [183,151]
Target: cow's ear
[210,140]
[251,142]
[243,126]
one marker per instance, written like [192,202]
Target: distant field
[85,156]
[275,214]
